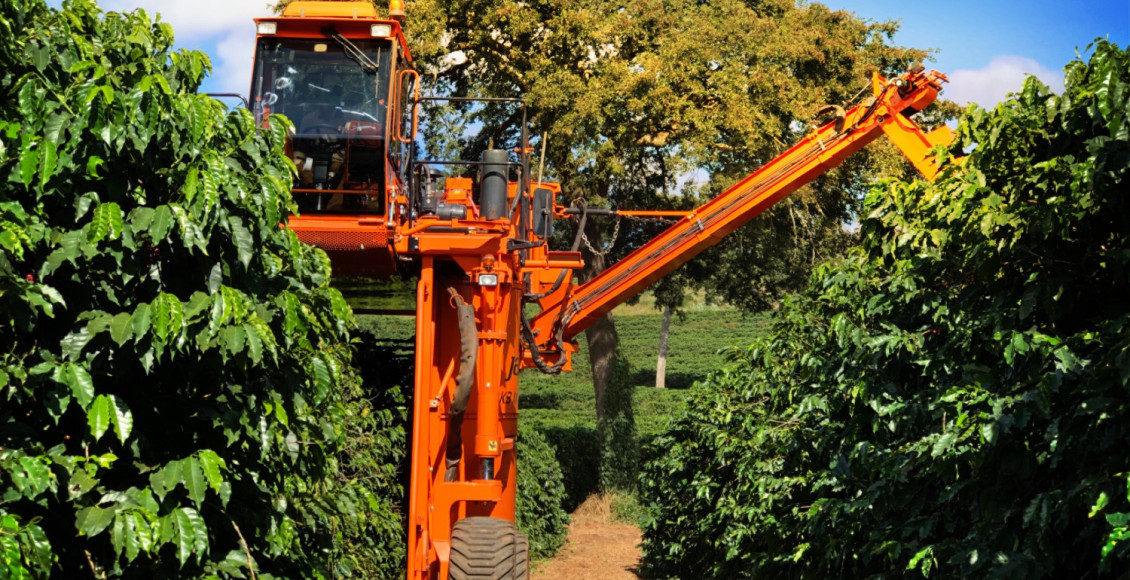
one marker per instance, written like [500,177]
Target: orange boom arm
[887,112]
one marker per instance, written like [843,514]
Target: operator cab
[332,69]
[337,97]
[328,68]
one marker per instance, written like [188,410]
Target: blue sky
[985,47]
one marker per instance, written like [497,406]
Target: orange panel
[357,246]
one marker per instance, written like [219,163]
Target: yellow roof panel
[330,10]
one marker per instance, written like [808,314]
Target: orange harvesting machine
[478,246]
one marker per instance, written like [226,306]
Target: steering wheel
[321,129]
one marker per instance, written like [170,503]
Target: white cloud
[199,18]
[200,24]
[232,64]
[1004,74]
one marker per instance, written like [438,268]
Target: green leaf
[121,328]
[254,343]
[191,179]
[143,533]
[989,431]
[212,464]
[29,160]
[166,479]
[321,371]
[122,418]
[244,242]
[98,416]
[1118,520]
[36,477]
[78,380]
[118,534]
[107,222]
[92,164]
[48,159]
[139,320]
[80,484]
[92,520]
[167,316]
[1100,504]
[191,534]
[944,444]
[264,334]
[923,558]
[233,339]
[73,343]
[73,244]
[193,478]
[162,222]
[39,555]
[215,278]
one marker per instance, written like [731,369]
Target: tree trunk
[601,336]
[661,363]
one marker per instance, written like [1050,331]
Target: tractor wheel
[488,549]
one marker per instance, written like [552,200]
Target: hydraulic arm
[887,111]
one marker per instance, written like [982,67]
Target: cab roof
[307,9]
[340,13]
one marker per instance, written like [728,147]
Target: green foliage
[616,430]
[951,398]
[628,509]
[561,407]
[577,449]
[373,460]
[541,494]
[1120,522]
[173,393]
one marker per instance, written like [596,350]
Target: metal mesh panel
[344,240]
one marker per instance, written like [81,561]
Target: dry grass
[597,509]
[598,548]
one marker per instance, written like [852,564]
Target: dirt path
[598,548]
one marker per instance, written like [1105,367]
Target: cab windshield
[336,94]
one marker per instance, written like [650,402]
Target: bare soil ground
[598,547]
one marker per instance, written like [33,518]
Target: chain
[616,230]
[652,219]
[608,246]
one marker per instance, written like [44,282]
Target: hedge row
[949,400]
[175,399]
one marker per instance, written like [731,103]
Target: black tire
[488,549]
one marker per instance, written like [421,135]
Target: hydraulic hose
[464,380]
[530,341]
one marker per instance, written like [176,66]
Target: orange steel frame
[453,254]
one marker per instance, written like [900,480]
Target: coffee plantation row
[950,399]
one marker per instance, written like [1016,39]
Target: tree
[171,376]
[669,297]
[661,359]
